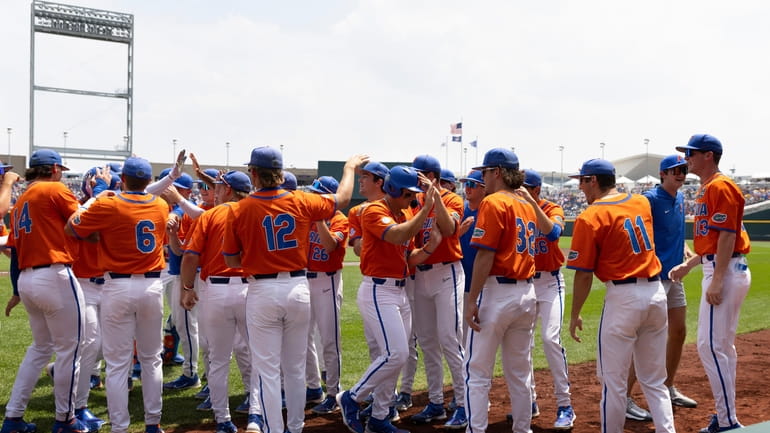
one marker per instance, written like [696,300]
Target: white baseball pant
[55,310]
[549,289]
[132,310]
[186,322]
[385,311]
[634,322]
[437,321]
[325,304]
[92,339]
[717,325]
[410,367]
[278,318]
[506,316]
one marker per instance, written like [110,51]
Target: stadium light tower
[602,146]
[227,161]
[646,156]
[561,176]
[9,130]
[173,143]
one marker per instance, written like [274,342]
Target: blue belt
[505,280]
[152,274]
[96,280]
[709,257]
[554,273]
[226,280]
[397,283]
[633,280]
[315,274]
[300,273]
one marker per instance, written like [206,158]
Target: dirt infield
[753,396]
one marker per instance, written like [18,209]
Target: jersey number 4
[629,226]
[23,221]
[278,231]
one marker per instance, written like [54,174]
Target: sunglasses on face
[677,170]
[204,186]
[690,152]
[470,184]
[586,179]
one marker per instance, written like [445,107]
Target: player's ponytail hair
[38,172]
[268,177]
[513,177]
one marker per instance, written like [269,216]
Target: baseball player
[473,185]
[667,204]
[49,290]
[131,229]
[222,312]
[721,244]
[438,301]
[324,263]
[549,290]
[266,235]
[186,321]
[500,309]
[381,299]
[448,180]
[634,317]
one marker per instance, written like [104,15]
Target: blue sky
[387,77]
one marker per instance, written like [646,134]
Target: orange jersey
[548,255]
[270,229]
[205,240]
[613,238]
[132,231]
[354,222]
[87,264]
[37,225]
[449,249]
[380,258]
[318,259]
[719,206]
[506,224]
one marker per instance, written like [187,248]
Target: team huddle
[255,272]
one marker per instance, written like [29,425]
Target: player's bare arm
[328,241]
[420,255]
[544,224]
[580,290]
[405,231]
[482,264]
[13,301]
[725,247]
[681,270]
[189,266]
[446,222]
[345,188]
[208,180]
[6,187]
[466,224]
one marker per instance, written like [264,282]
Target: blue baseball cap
[672,161]
[164,173]
[212,172]
[137,167]
[183,181]
[702,142]
[289,181]
[474,176]
[4,167]
[236,180]
[595,167]
[376,168]
[324,185]
[532,178]
[499,157]
[115,167]
[447,175]
[266,157]
[46,157]
[427,163]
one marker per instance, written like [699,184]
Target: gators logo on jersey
[719,218]
[387,220]
[573,255]
[455,216]
[478,232]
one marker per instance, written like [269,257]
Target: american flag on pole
[474,143]
[456,128]
[458,138]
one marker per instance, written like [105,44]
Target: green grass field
[179,406]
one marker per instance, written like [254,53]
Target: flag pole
[477,151]
[446,151]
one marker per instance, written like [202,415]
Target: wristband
[88,203]
[187,288]
[425,250]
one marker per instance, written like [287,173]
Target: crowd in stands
[571,199]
